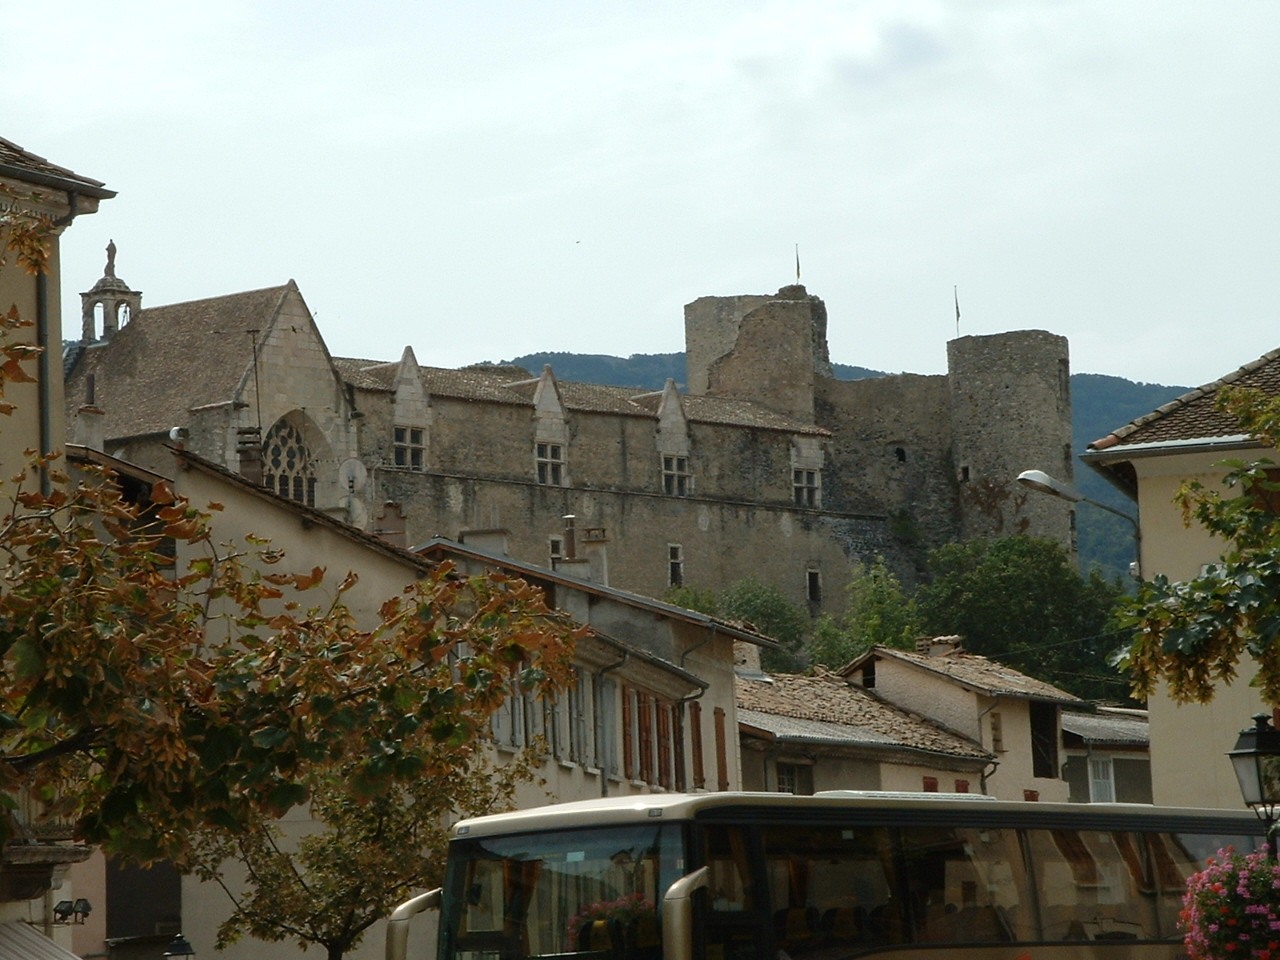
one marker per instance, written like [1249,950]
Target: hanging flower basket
[1232,908]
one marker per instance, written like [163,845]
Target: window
[675,565]
[997,732]
[805,486]
[556,547]
[1044,739]
[409,447]
[549,458]
[813,586]
[795,778]
[1102,788]
[288,469]
[676,480]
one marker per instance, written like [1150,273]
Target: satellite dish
[352,475]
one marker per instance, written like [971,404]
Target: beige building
[1149,459]
[1013,717]
[653,708]
[34,890]
[804,734]
[765,454]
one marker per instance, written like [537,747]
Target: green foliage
[878,614]
[767,610]
[1019,600]
[1194,633]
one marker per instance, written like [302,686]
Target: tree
[878,614]
[145,702]
[761,607]
[1020,600]
[362,855]
[1193,634]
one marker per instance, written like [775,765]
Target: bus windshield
[588,892]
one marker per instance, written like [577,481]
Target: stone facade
[767,467]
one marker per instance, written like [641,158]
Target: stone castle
[766,467]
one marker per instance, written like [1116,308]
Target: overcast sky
[483,179]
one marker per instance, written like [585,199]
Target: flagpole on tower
[955,290]
[797,263]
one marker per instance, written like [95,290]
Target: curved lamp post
[1256,759]
[1041,482]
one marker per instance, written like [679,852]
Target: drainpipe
[44,398]
[599,724]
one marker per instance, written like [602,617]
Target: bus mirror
[677,915]
[398,923]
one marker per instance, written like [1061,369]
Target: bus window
[831,887]
[1093,885]
[965,885]
[734,930]
[586,893]
[1172,857]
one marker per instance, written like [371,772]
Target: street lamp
[1041,482]
[1256,760]
[178,947]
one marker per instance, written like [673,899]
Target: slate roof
[973,671]
[173,358]
[22,164]
[1192,416]
[1128,729]
[826,708]
[513,385]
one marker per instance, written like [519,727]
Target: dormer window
[549,461]
[676,479]
[409,451]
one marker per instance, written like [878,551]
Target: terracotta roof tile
[972,670]
[513,385]
[172,358]
[829,707]
[12,155]
[1193,416]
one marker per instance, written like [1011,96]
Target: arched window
[287,464]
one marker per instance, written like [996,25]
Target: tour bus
[753,876]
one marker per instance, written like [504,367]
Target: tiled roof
[16,161]
[1108,729]
[173,358]
[973,671]
[512,385]
[1193,416]
[826,707]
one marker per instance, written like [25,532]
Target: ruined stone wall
[721,542]
[710,331]
[891,453]
[1011,411]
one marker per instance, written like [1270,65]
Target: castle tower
[769,349]
[113,295]
[1010,397]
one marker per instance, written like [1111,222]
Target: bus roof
[678,806]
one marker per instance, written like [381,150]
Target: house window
[997,732]
[1044,739]
[549,458]
[556,547]
[805,485]
[676,480]
[869,674]
[675,565]
[287,467]
[409,449]
[795,778]
[813,586]
[1102,785]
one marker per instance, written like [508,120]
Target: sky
[490,178]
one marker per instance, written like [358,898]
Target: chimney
[938,646]
[90,430]
[249,452]
[591,567]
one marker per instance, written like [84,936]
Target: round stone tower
[1011,411]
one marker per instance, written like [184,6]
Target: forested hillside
[1100,404]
